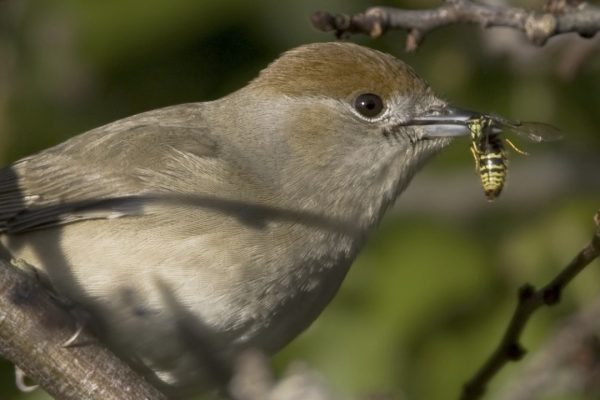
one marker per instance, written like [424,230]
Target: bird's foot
[20,378]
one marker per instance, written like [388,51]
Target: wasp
[489,153]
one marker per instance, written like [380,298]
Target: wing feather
[99,173]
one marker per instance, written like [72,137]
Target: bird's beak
[443,122]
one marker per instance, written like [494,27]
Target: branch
[529,301]
[567,365]
[33,330]
[559,16]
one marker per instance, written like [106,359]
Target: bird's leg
[81,317]
[27,268]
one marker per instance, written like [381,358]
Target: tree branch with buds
[529,301]
[557,17]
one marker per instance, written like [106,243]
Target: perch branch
[33,331]
[558,17]
[529,301]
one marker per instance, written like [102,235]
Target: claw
[72,341]
[20,381]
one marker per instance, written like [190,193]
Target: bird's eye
[368,105]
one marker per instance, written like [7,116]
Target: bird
[193,232]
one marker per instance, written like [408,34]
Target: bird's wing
[105,172]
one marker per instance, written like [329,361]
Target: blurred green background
[428,298]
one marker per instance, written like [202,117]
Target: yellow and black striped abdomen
[492,165]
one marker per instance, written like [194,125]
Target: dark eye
[368,105]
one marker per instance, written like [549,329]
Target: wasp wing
[533,131]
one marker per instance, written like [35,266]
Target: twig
[558,17]
[567,365]
[529,301]
[33,330]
